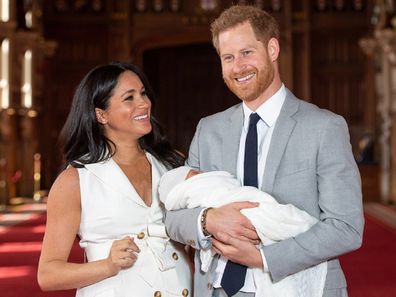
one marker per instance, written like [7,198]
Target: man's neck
[268,93]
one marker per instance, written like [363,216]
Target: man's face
[246,66]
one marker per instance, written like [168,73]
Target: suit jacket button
[210,286]
[185,292]
[141,236]
[175,256]
[157,294]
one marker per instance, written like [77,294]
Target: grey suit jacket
[309,164]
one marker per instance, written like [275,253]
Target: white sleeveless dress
[110,210]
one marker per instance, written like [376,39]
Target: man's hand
[228,218]
[238,251]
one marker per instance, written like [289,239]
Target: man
[302,156]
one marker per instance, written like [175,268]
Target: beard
[252,90]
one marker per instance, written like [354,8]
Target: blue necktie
[234,273]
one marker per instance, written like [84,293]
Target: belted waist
[154,239]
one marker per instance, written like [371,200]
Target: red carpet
[371,271]
[20,247]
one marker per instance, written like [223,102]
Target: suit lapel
[280,137]
[231,137]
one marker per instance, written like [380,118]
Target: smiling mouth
[141,117]
[245,78]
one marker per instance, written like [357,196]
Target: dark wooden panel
[189,86]
[82,34]
[338,74]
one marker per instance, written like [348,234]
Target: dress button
[157,294]
[141,236]
[175,256]
[185,292]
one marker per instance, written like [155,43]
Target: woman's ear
[101,116]
[273,49]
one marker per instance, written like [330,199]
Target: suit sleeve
[340,228]
[182,224]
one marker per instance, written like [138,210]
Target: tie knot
[253,119]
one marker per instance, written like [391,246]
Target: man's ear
[101,116]
[273,49]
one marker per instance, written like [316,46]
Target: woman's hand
[123,254]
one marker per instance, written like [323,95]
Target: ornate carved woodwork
[381,48]
[320,61]
[20,136]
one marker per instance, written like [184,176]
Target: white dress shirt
[268,112]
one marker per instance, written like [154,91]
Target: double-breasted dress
[112,209]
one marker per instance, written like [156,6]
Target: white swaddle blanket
[273,222]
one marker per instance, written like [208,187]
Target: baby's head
[174,177]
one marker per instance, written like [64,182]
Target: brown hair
[263,24]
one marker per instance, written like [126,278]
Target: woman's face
[128,114]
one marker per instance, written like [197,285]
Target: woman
[116,153]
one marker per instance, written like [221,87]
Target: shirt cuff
[264,260]
[204,241]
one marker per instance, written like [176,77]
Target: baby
[185,187]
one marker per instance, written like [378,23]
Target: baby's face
[192,172]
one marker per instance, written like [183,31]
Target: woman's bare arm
[63,220]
